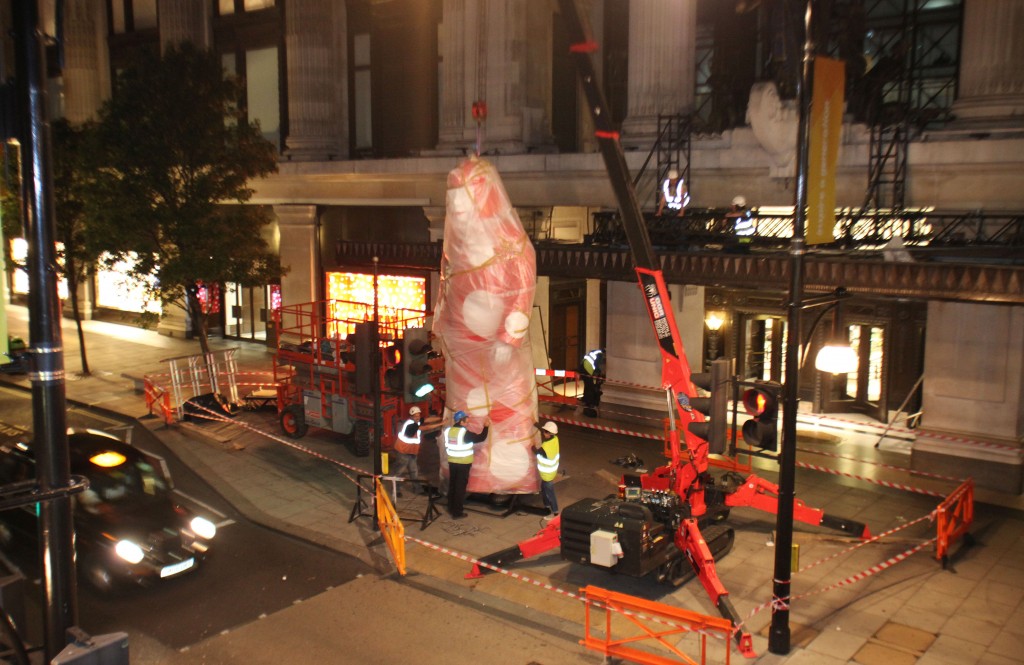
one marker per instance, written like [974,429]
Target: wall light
[714,321]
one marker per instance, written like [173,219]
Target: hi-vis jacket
[408,442]
[458,444]
[547,459]
[678,199]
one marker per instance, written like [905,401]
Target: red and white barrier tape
[214,416]
[547,586]
[863,575]
[937,476]
[873,539]
[603,428]
[884,483]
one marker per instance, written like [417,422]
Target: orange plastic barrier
[558,386]
[952,519]
[156,396]
[391,526]
[656,622]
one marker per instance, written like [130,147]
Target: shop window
[401,299]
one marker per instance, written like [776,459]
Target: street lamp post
[779,632]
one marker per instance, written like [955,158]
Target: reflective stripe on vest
[678,199]
[548,466]
[459,450]
[404,438]
[590,361]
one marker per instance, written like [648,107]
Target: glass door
[246,311]
[864,390]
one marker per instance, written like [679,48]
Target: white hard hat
[739,201]
[673,174]
[550,428]
[415,411]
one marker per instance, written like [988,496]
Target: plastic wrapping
[482,321]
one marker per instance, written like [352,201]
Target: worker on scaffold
[674,195]
[592,369]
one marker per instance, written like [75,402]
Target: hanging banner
[823,149]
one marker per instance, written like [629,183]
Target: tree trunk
[198,317]
[72,275]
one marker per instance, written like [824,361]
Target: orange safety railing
[953,517]
[558,386]
[653,623]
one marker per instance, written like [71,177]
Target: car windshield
[113,478]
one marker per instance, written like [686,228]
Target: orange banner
[823,149]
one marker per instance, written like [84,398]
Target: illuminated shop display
[351,297]
[115,289]
[19,256]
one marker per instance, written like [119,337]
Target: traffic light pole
[46,372]
[779,632]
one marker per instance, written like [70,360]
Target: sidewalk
[911,612]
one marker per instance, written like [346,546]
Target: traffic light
[716,407]
[393,368]
[762,403]
[366,343]
[415,366]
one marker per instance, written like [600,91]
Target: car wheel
[361,439]
[293,422]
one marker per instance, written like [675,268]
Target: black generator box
[645,543]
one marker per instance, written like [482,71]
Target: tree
[70,191]
[174,154]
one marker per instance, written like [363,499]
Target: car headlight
[203,527]
[129,551]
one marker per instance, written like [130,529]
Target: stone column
[185,21]
[316,44]
[300,252]
[85,83]
[662,53]
[483,51]
[973,395]
[458,56]
[991,85]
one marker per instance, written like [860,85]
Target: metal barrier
[656,622]
[158,397]
[558,386]
[952,519]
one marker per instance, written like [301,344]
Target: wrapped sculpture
[482,321]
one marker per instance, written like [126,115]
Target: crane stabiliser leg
[548,538]
[756,492]
[690,540]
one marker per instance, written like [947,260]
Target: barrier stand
[952,519]
[391,527]
[363,508]
[656,622]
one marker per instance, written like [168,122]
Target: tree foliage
[174,155]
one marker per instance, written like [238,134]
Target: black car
[128,525]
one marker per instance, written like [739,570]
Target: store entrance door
[568,325]
[863,391]
[246,309]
